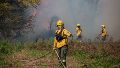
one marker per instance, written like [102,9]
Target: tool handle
[59,58]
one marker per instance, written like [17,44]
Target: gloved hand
[54,48]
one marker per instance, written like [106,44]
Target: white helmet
[78,24]
[102,25]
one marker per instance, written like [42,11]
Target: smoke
[109,14]
[89,13]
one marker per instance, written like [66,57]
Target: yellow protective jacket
[65,34]
[78,31]
[103,32]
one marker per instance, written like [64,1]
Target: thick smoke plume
[89,13]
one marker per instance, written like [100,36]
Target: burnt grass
[41,55]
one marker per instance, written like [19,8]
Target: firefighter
[78,32]
[103,33]
[61,41]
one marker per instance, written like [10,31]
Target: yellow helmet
[60,23]
[78,24]
[102,25]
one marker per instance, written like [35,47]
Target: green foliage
[12,19]
[79,54]
[29,2]
[42,45]
[102,58]
[37,53]
[105,62]
[2,61]
[33,51]
[7,48]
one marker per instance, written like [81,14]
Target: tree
[52,25]
[12,19]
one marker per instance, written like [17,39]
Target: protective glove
[54,48]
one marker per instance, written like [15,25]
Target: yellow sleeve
[55,43]
[67,33]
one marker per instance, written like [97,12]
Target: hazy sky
[89,13]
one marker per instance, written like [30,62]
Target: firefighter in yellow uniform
[103,33]
[61,41]
[78,32]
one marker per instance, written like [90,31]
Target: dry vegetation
[41,55]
